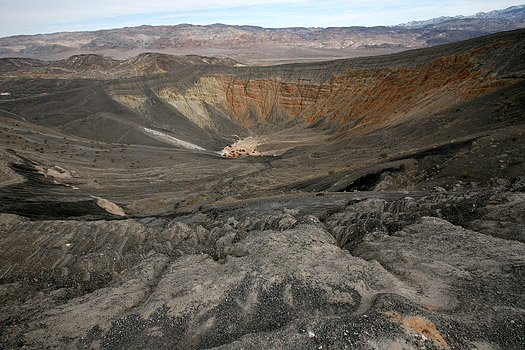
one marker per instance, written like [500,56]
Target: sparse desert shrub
[515,137]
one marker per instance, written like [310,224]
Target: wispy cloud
[36,16]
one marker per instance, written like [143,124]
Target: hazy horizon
[35,17]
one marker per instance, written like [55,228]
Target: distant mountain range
[96,66]
[253,43]
[514,14]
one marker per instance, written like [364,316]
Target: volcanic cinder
[188,202]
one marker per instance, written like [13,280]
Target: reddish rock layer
[375,97]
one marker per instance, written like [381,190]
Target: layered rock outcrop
[362,99]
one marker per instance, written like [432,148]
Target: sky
[49,16]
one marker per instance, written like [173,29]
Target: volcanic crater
[192,203]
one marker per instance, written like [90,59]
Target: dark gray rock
[275,281]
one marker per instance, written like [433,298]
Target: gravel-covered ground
[371,272]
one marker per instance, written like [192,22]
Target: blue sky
[47,16]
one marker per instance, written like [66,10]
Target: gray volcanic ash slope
[372,203]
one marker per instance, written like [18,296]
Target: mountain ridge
[252,43]
[496,14]
[97,66]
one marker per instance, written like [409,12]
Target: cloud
[62,10]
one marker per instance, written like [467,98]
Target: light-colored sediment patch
[110,207]
[56,172]
[5,93]
[173,140]
[41,170]
[274,144]
[245,147]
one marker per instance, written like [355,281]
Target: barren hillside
[251,44]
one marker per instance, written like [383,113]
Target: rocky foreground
[368,271]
